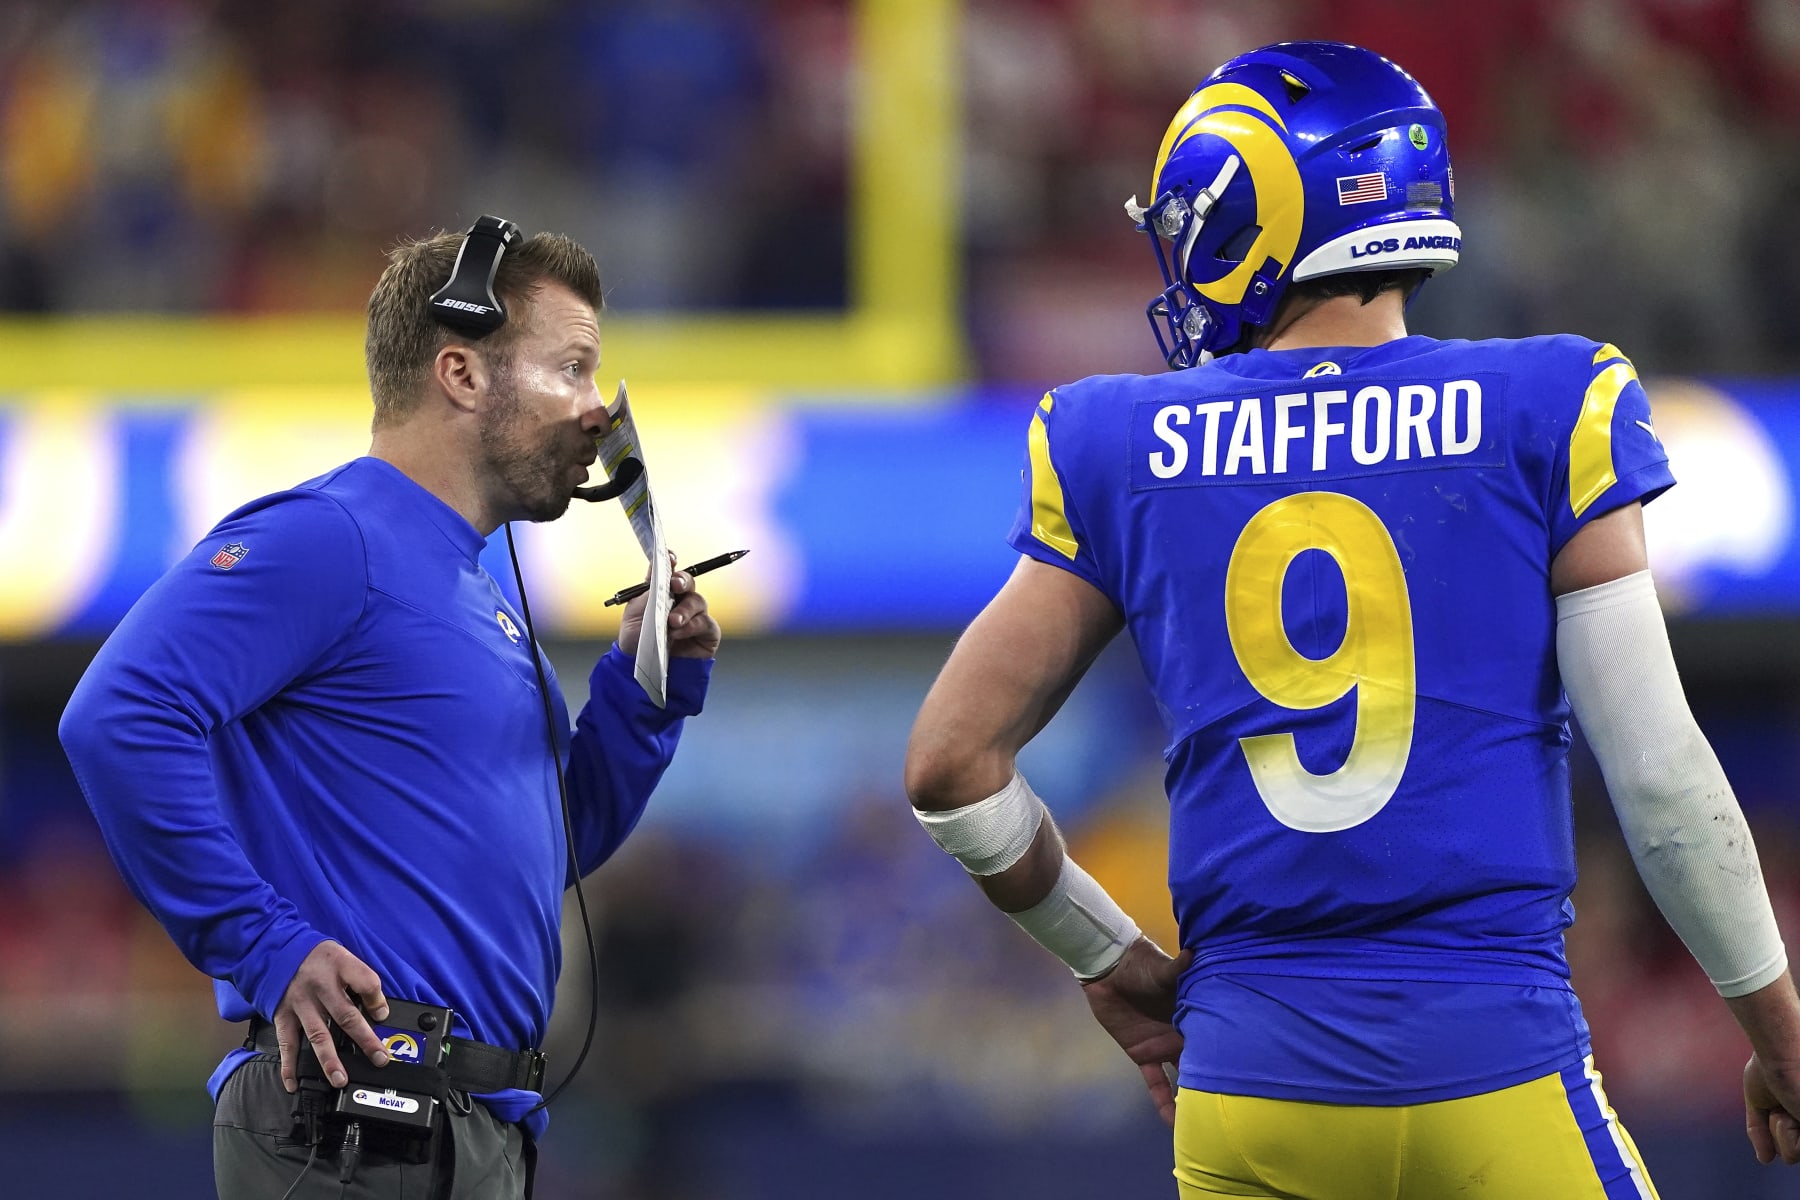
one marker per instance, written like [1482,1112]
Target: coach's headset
[468,305]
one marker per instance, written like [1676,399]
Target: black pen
[699,568]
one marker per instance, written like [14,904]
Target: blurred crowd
[1628,168]
[234,156]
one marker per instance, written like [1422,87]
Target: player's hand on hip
[325,991]
[1135,1003]
[692,631]
[1771,1104]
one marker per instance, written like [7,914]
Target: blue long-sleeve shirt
[325,723]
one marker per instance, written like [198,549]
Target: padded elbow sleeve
[992,834]
[1681,821]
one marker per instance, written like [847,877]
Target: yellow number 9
[1376,657]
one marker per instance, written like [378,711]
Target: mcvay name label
[1342,430]
[385,1102]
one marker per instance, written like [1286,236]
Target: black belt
[474,1066]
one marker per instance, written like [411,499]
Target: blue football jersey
[1335,566]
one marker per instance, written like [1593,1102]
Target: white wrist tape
[990,835]
[1079,923]
[1681,821]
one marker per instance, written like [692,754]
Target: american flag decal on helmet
[1361,189]
[230,555]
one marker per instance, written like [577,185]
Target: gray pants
[256,1155]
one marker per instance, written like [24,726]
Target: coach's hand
[692,631]
[1771,1098]
[1135,1003]
[320,996]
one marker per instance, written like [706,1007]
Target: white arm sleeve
[1682,823]
[1080,924]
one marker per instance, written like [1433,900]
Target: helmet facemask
[1190,329]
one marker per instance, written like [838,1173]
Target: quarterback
[1370,577]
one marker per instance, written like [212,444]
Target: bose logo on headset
[467,303]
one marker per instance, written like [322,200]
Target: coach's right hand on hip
[320,996]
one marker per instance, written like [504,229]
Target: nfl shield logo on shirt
[230,555]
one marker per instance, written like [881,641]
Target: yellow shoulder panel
[1049,520]
[1590,447]
[1608,352]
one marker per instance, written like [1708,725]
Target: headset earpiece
[467,303]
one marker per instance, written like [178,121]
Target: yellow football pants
[1554,1138]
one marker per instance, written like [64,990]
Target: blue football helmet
[1290,162]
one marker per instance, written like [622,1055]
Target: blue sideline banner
[859,517]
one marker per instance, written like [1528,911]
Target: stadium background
[847,244]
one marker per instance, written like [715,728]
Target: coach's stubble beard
[530,470]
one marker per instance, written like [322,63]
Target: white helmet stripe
[1187,243]
[1203,204]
